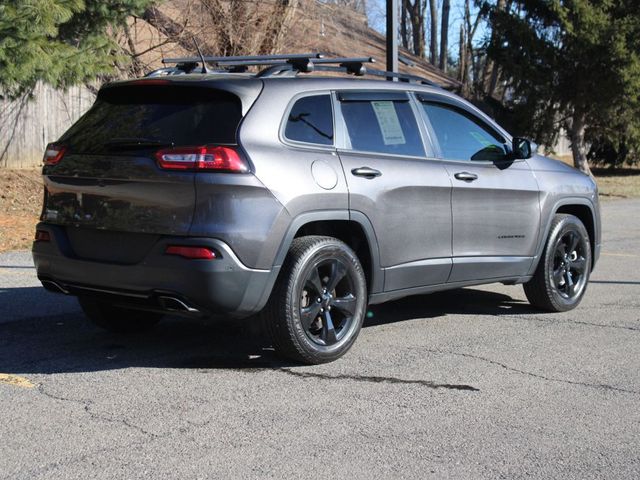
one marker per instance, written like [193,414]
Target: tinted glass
[157,113]
[463,138]
[382,126]
[311,121]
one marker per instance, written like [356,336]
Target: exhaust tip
[174,304]
[54,287]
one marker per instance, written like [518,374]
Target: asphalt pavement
[467,384]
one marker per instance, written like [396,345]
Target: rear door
[495,206]
[108,177]
[396,183]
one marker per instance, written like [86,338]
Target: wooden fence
[26,126]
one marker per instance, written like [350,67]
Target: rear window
[311,121]
[157,113]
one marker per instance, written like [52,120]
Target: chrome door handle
[366,172]
[466,176]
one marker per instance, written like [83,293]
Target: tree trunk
[404,33]
[416,17]
[492,71]
[433,50]
[462,58]
[578,146]
[444,36]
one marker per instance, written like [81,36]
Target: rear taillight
[42,236]
[53,154]
[194,253]
[219,159]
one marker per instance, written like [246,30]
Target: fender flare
[377,274]
[543,238]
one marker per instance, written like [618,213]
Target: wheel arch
[581,208]
[353,229]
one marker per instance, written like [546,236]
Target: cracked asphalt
[467,384]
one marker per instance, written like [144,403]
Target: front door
[495,204]
[396,183]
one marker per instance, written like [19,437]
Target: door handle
[466,176]
[366,172]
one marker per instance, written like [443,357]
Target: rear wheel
[562,275]
[117,319]
[318,304]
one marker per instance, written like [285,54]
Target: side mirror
[522,148]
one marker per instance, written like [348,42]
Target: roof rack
[284,65]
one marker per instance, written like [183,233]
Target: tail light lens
[194,253]
[218,159]
[53,154]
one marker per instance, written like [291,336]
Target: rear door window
[167,114]
[311,120]
[381,124]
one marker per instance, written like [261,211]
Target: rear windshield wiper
[137,143]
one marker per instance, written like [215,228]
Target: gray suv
[302,199]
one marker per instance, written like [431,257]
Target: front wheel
[318,305]
[562,275]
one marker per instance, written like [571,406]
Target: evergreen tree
[61,42]
[571,63]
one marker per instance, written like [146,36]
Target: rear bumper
[160,282]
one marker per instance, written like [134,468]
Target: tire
[117,319]
[318,304]
[562,275]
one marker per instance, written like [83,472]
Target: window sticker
[389,123]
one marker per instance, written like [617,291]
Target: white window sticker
[389,123]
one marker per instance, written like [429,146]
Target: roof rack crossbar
[246,58]
[287,65]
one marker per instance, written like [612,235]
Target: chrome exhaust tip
[54,287]
[174,304]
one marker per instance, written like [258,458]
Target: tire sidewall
[566,224]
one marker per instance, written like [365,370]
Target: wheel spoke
[347,305]
[309,314]
[314,282]
[338,271]
[558,275]
[561,250]
[328,330]
[569,279]
[573,241]
[579,265]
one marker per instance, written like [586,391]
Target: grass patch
[617,183]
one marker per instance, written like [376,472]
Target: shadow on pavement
[66,343]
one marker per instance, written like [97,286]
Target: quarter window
[311,121]
[382,126]
[462,137]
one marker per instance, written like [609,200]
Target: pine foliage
[571,63]
[60,42]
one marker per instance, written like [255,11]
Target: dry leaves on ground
[20,204]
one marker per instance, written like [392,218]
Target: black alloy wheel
[328,302]
[570,264]
[562,275]
[317,307]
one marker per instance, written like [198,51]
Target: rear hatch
[105,176]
